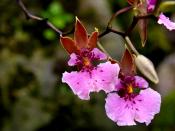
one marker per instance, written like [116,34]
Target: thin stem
[109,26]
[104,33]
[109,30]
[131,27]
[123,10]
[31,16]
[135,21]
[69,32]
[131,46]
[146,16]
[117,32]
[103,49]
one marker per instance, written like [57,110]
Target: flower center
[129,89]
[86,61]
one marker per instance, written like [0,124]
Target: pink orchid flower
[162,19]
[127,106]
[166,22]
[151,5]
[83,54]
[132,99]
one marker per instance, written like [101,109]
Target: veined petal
[166,22]
[105,76]
[148,104]
[140,82]
[118,110]
[101,78]
[141,108]
[79,82]
[97,54]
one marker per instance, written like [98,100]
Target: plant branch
[123,10]
[130,46]
[109,26]
[109,30]
[117,32]
[69,32]
[31,16]
[135,21]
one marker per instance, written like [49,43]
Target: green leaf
[58,22]
[56,15]
[49,34]
[167,6]
[55,8]
[160,40]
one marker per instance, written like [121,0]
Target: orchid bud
[146,67]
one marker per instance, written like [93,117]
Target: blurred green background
[32,97]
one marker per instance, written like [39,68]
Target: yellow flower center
[86,61]
[130,89]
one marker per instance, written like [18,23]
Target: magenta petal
[140,82]
[141,108]
[118,85]
[166,22]
[79,82]
[105,76]
[98,54]
[73,60]
[148,104]
[118,111]
[151,5]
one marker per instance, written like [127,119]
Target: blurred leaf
[21,36]
[28,114]
[49,34]
[165,120]
[167,6]
[157,37]
[56,15]
[55,8]
[58,22]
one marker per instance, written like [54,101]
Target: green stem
[130,46]
[103,49]
[118,13]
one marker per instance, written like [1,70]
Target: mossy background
[32,97]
